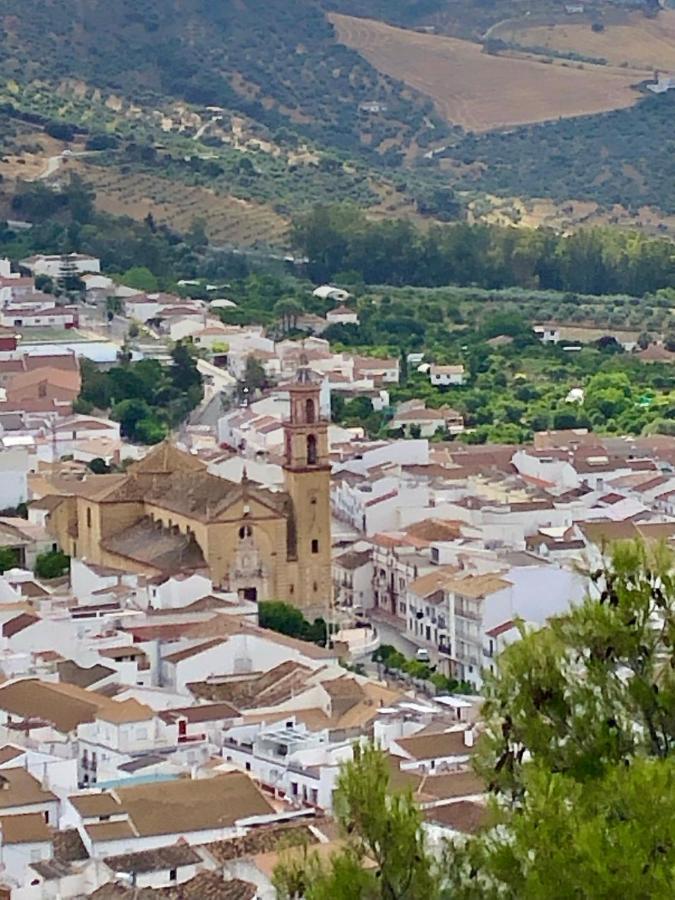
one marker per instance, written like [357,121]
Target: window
[311,450]
[310,413]
[89,517]
[315,546]
[173,874]
[248,766]
[245,532]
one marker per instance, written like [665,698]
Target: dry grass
[480,91]
[640,42]
[226,219]
[29,166]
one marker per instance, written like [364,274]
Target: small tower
[307,478]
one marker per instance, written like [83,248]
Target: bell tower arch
[307,479]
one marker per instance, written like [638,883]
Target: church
[168,514]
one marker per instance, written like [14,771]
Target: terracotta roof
[462,815]
[433,581]
[435,745]
[19,788]
[193,805]
[501,629]
[19,623]
[181,655]
[8,753]
[154,860]
[26,828]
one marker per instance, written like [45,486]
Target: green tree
[378,826]
[129,413]
[281,617]
[611,837]
[596,687]
[52,564]
[8,559]
[288,310]
[141,278]
[184,372]
[98,466]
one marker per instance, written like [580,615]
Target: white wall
[14,468]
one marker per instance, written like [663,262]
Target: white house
[25,839]
[547,334]
[342,315]
[328,292]
[298,764]
[444,376]
[133,819]
[353,579]
[15,465]
[51,265]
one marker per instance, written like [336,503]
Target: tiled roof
[435,745]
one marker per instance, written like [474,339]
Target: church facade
[169,514]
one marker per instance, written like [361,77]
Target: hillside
[274,61]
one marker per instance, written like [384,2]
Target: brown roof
[8,752]
[259,690]
[121,711]
[124,650]
[26,828]
[463,815]
[18,623]
[154,860]
[64,706]
[205,886]
[203,712]
[94,805]
[68,846]
[110,831]
[161,548]
[435,745]
[193,805]
[353,559]
[432,581]
[263,839]
[19,788]
[188,652]
[451,785]
[72,673]
[607,532]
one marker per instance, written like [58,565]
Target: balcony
[464,612]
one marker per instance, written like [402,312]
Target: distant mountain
[276,61]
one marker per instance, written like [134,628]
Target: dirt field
[226,219]
[482,92]
[640,42]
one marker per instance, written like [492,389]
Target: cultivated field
[480,91]
[638,42]
[226,219]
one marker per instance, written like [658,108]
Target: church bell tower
[307,479]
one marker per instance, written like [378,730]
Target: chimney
[468,737]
